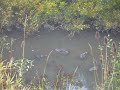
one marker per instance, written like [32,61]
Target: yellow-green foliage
[107,12]
[9,77]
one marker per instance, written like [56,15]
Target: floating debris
[62,51]
[84,55]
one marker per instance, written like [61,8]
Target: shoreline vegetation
[70,15]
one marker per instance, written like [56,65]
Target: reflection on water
[38,47]
[83,88]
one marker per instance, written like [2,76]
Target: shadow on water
[38,47]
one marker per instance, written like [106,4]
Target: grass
[11,79]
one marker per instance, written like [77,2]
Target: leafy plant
[22,66]
[73,14]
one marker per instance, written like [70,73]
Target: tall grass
[9,77]
[109,59]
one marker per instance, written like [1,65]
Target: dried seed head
[114,48]
[101,59]
[114,45]
[105,40]
[97,35]
[109,72]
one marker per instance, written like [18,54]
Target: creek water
[45,42]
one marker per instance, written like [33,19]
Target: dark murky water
[44,43]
